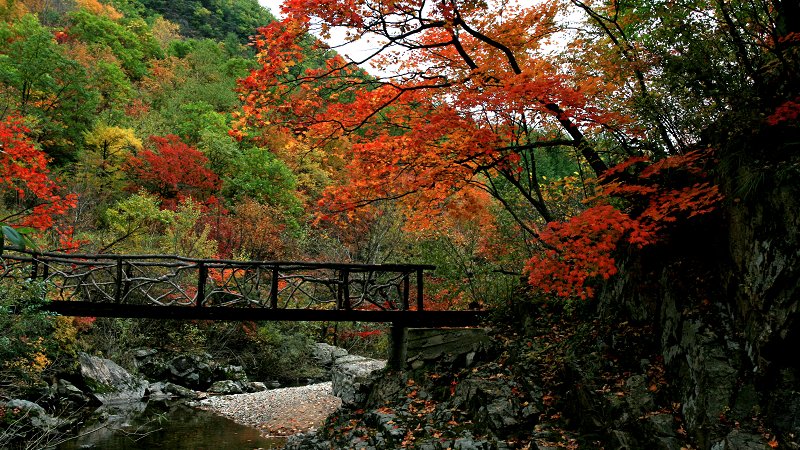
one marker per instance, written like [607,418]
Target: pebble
[278,412]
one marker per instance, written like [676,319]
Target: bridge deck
[171,287]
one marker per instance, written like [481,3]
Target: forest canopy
[537,140]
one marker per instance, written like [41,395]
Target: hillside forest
[547,156]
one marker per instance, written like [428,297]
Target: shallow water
[170,427]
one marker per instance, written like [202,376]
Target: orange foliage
[100,9]
[164,76]
[256,230]
[462,110]
[658,195]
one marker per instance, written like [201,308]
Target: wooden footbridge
[172,287]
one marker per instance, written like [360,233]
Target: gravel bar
[278,412]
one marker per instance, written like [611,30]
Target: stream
[174,426]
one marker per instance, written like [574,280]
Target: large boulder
[151,363]
[193,371]
[351,377]
[108,382]
[24,413]
[326,354]
[70,392]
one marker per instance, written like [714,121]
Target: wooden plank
[399,318]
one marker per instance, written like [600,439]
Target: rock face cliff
[722,298]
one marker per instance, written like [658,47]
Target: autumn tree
[31,196]
[99,177]
[479,92]
[131,42]
[38,81]
[174,171]
[474,96]
[107,148]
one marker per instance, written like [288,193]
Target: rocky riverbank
[99,384]
[278,412]
[291,410]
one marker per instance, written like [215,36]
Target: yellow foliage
[10,11]
[165,32]
[185,236]
[107,148]
[95,7]
[65,334]
[33,363]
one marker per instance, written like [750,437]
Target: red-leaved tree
[174,171]
[32,197]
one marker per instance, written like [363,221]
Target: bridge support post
[398,349]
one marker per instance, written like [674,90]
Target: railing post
[406,291]
[202,276]
[345,284]
[273,290]
[419,291]
[118,283]
[34,267]
[127,271]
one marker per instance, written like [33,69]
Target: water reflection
[169,427]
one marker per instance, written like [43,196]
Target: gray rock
[468,444]
[67,390]
[458,347]
[500,415]
[660,425]
[157,391]
[180,391]
[193,371]
[255,386]
[621,440]
[737,440]
[143,353]
[235,373]
[226,387]
[151,364]
[638,398]
[108,382]
[351,377]
[493,402]
[31,414]
[326,354]
[668,443]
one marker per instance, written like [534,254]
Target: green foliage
[124,42]
[185,235]
[32,343]
[205,92]
[39,82]
[19,237]
[259,175]
[212,19]
[283,350]
[197,118]
[220,149]
[136,224]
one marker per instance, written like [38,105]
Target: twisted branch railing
[159,280]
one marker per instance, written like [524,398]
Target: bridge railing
[158,280]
